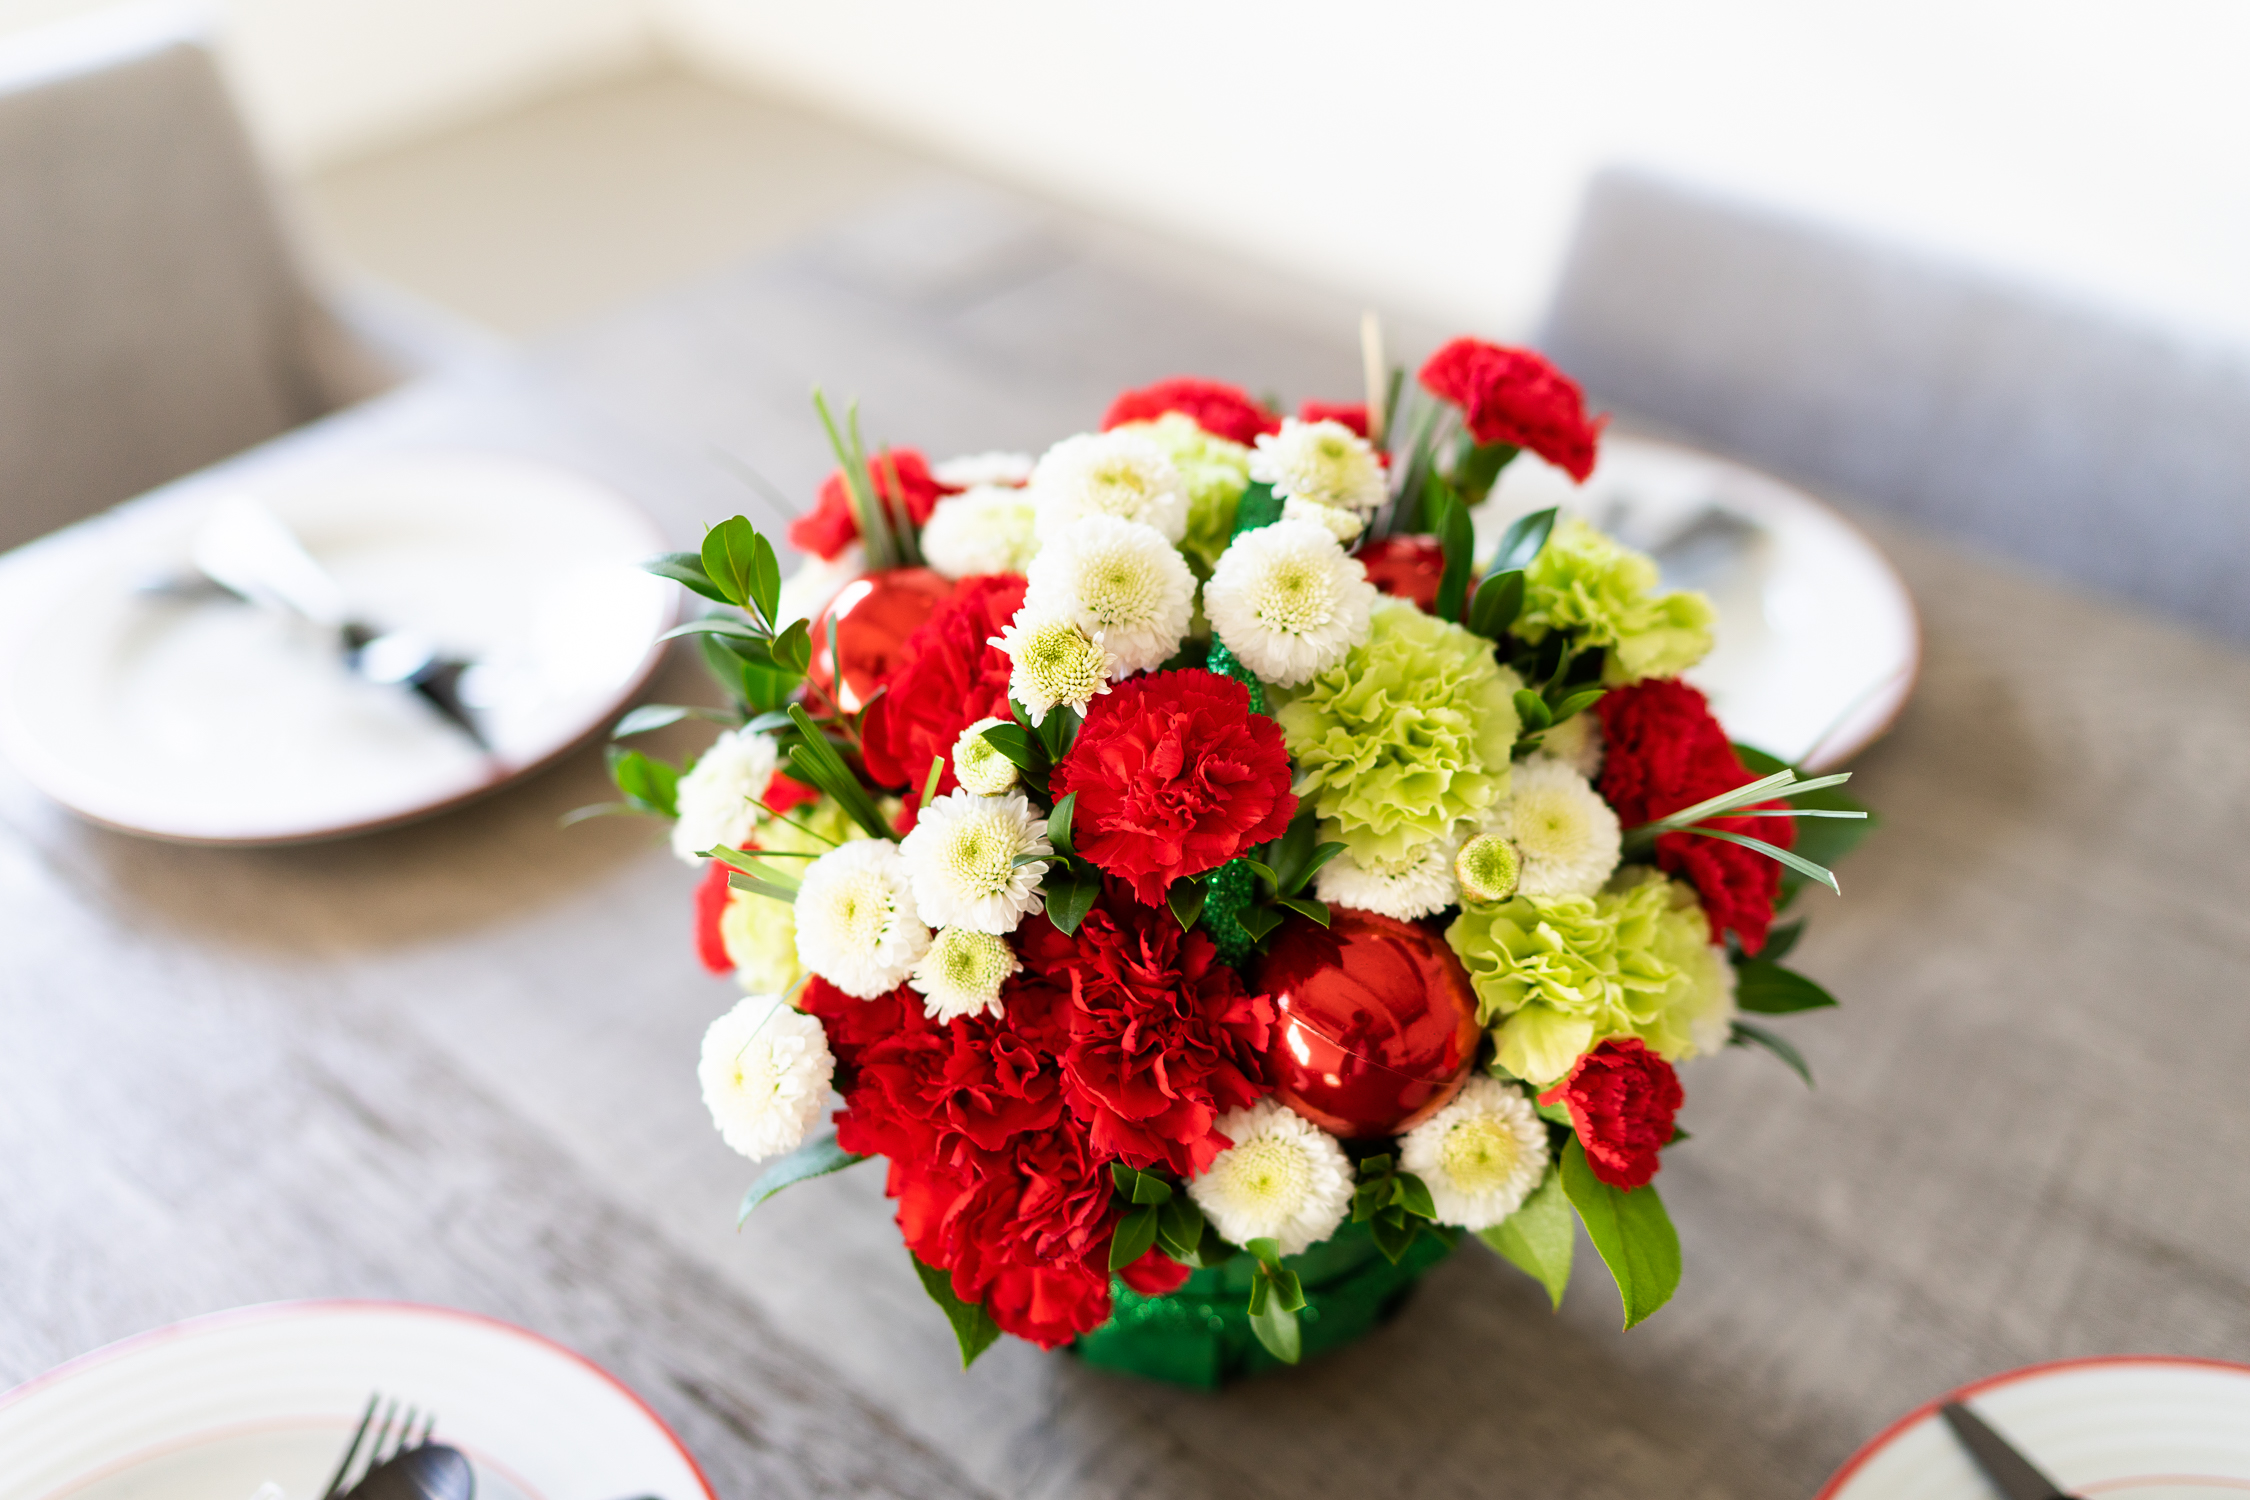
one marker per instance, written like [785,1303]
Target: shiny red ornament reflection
[1378,1023]
[873,615]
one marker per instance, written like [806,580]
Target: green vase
[1200,1335]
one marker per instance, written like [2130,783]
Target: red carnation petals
[711,899]
[1622,1100]
[1662,751]
[1154,1274]
[1352,414]
[947,678]
[1516,396]
[1222,410]
[1163,1038]
[829,527]
[1175,776]
[785,793]
[1410,567]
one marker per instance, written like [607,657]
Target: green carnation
[1216,472]
[1590,586]
[1409,734]
[1557,975]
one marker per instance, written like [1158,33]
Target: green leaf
[973,1327]
[815,1158]
[1477,466]
[1150,1190]
[1259,506]
[764,581]
[686,568]
[1521,542]
[1276,1326]
[749,643]
[1557,1112]
[1306,906]
[1779,940]
[1185,898]
[1577,703]
[792,649]
[1069,898]
[1413,1195]
[645,782]
[1179,1229]
[1539,1238]
[1258,921]
[1394,1234]
[1459,540]
[1632,1232]
[1059,821]
[1134,1234]
[729,557]
[1060,730]
[1747,1035]
[1533,711]
[1498,600]
[1765,988]
[1016,743]
[657,715]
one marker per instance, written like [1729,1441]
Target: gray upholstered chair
[154,315]
[2091,445]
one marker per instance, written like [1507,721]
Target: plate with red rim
[2124,1427]
[197,718]
[220,1405]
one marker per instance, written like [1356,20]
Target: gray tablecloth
[455,1062]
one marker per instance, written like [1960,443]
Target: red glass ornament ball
[873,615]
[1378,1022]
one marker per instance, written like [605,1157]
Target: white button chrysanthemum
[1055,663]
[963,974]
[1284,1179]
[1341,524]
[977,765]
[856,923]
[1120,581]
[1324,462]
[1287,601]
[984,530]
[714,798]
[963,860]
[1577,743]
[1565,834]
[765,1071]
[1420,887]
[808,591]
[1121,474]
[972,469]
[1481,1155]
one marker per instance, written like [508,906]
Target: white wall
[1431,151]
[326,80]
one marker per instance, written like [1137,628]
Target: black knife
[2013,1475]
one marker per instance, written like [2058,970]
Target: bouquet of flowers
[1210,885]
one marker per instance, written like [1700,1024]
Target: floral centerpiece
[1210,886]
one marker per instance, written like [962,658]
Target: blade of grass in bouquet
[909,546]
[815,1158]
[815,762]
[1372,374]
[1794,861]
[874,525]
[751,873]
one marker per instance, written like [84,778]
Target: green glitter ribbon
[1227,664]
[1228,892]
[1200,1335]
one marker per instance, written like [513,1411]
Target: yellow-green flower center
[1481,1154]
[1488,868]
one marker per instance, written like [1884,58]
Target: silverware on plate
[245,551]
[398,1463]
[2013,1475]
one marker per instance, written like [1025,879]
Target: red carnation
[711,899]
[1622,1100]
[785,793]
[1410,567]
[1515,396]
[829,527]
[1175,776]
[1663,751]
[947,678]
[1163,1037]
[1221,410]
[1352,414]
[1154,1274]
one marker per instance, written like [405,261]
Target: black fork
[385,1440]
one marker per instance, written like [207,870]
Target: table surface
[455,1062]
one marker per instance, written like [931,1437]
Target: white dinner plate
[2147,1427]
[213,1408]
[210,721]
[1818,644]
